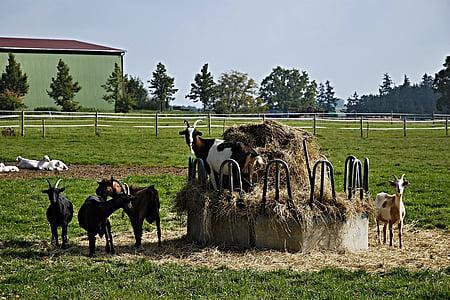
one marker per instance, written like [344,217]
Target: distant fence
[362,122]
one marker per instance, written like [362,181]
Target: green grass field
[29,270]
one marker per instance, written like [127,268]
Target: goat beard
[192,149]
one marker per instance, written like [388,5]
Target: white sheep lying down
[44,164]
[4,168]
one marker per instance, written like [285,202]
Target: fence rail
[159,121]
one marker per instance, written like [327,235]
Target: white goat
[4,168]
[390,210]
[24,163]
[47,164]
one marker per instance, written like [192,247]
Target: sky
[351,43]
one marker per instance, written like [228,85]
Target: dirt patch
[424,249]
[95,172]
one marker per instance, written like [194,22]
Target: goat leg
[65,241]
[384,233]
[400,227]
[91,237]
[158,229]
[55,236]
[137,229]
[109,240]
[391,233]
[378,232]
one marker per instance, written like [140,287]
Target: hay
[273,140]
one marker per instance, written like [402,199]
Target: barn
[89,64]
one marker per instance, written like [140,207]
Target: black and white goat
[145,206]
[59,213]
[93,217]
[214,152]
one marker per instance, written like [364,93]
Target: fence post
[96,124]
[22,126]
[43,128]
[314,124]
[367,127]
[404,126]
[361,125]
[264,117]
[209,123]
[156,124]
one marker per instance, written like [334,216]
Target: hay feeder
[279,213]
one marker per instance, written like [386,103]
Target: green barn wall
[90,70]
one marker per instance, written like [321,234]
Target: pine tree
[352,103]
[406,81]
[12,79]
[63,90]
[162,87]
[135,88]
[203,89]
[321,100]
[427,81]
[386,86]
[442,86]
[330,99]
[116,92]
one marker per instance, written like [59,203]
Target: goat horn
[395,177]
[56,185]
[195,123]
[127,189]
[403,176]
[49,183]
[186,122]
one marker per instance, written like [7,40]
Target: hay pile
[273,140]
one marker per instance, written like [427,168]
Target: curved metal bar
[348,168]
[231,164]
[357,178]
[305,150]
[277,163]
[366,175]
[198,166]
[325,164]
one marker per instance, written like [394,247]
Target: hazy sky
[349,42]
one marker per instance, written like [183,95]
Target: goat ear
[182,132]
[392,182]
[199,133]
[45,191]
[405,183]
[62,189]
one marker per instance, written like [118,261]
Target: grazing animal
[59,213]
[145,205]
[391,210]
[214,152]
[93,217]
[4,168]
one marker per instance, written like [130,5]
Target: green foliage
[287,89]
[386,86]
[63,89]
[326,101]
[135,88]
[442,86]
[237,92]
[12,79]
[117,93]
[203,89]
[406,98]
[11,101]
[162,87]
[352,103]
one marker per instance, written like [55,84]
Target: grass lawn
[30,272]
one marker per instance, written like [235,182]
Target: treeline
[282,90]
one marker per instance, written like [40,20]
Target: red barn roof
[52,45]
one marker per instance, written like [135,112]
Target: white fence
[160,121]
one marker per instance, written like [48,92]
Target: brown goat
[144,206]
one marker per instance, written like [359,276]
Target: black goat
[93,217]
[59,213]
[145,205]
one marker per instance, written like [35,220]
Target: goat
[24,163]
[215,151]
[144,206]
[93,217]
[390,210]
[52,165]
[59,213]
[4,168]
